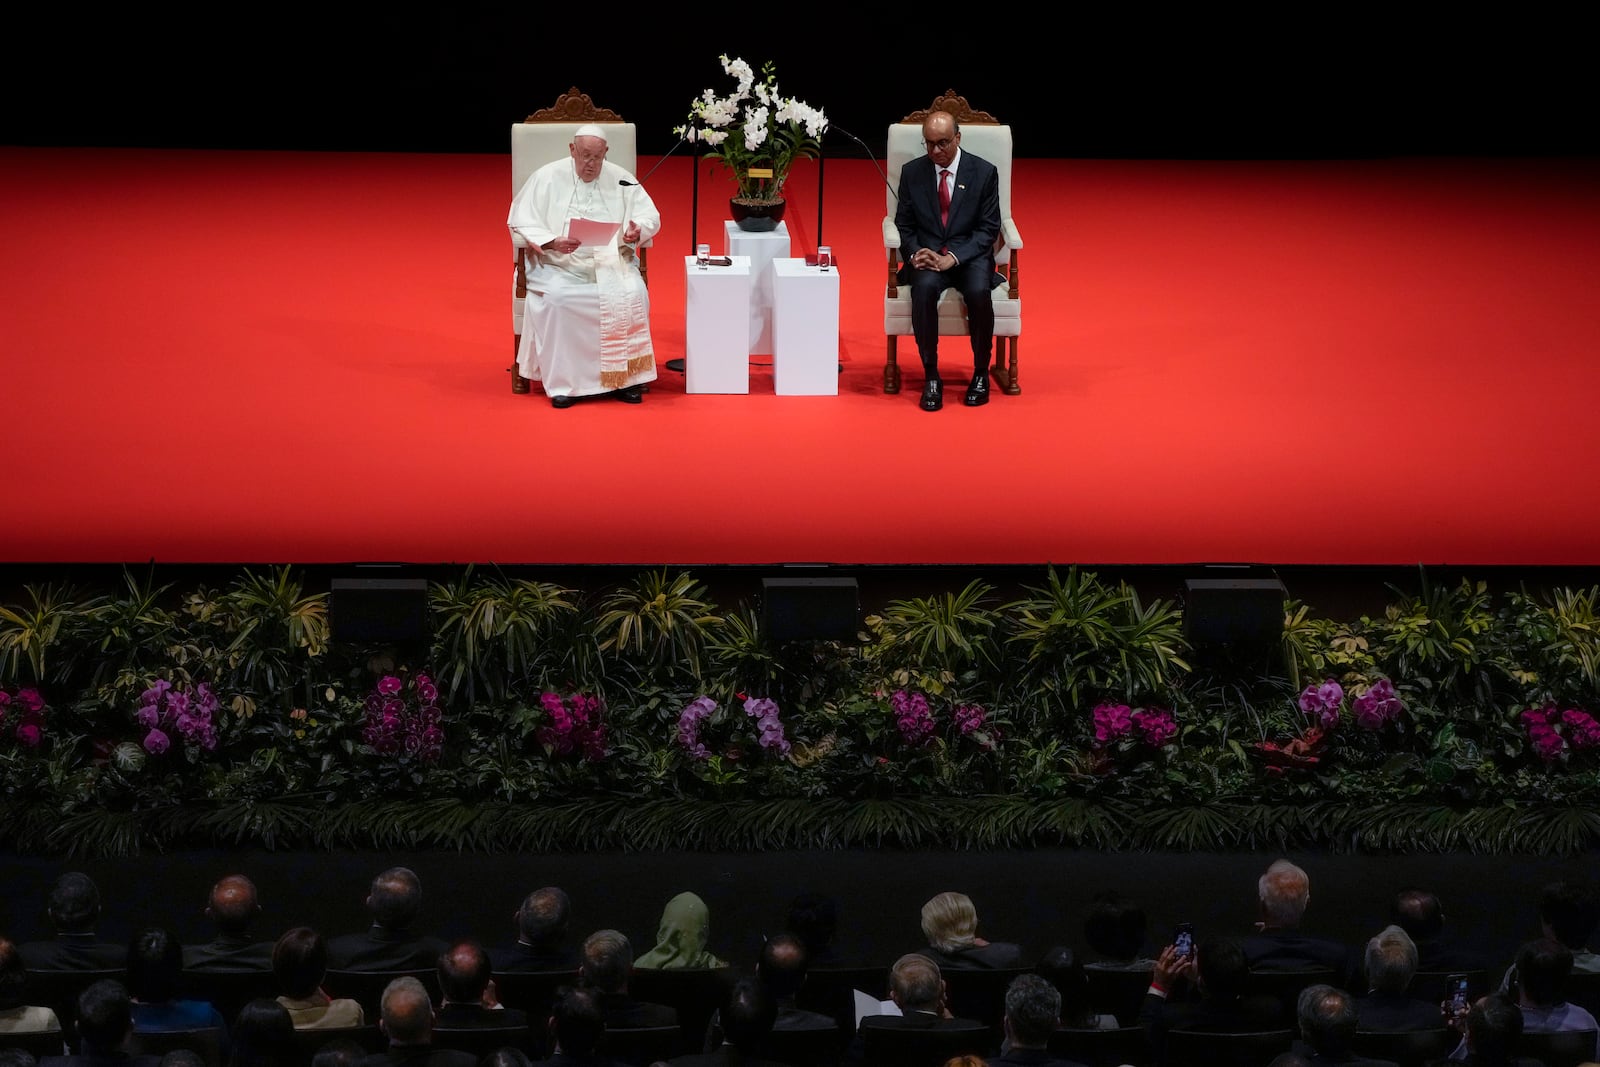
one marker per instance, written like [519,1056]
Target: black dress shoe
[932,396]
[563,401]
[977,391]
[630,395]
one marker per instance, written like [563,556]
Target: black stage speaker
[810,609]
[1240,617]
[379,611]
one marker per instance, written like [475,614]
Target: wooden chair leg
[519,384]
[891,370]
[1013,379]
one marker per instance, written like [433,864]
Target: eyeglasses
[939,146]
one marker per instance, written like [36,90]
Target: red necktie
[944,198]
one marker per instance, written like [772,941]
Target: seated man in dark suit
[407,1021]
[73,910]
[467,982]
[1220,975]
[233,908]
[606,967]
[781,970]
[950,923]
[389,944]
[541,944]
[1327,1027]
[105,1024]
[917,989]
[1420,914]
[814,919]
[1033,1011]
[577,1023]
[1391,961]
[1284,890]
[747,1018]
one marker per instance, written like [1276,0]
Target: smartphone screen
[1458,992]
[1183,939]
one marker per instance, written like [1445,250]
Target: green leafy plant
[493,633]
[660,620]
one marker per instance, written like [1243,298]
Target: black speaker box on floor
[810,609]
[378,611]
[1240,616]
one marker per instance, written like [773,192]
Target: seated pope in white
[586,318]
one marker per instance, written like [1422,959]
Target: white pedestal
[763,249]
[805,329]
[716,351]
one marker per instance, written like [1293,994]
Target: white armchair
[982,135]
[542,137]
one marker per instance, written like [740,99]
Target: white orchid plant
[757,132]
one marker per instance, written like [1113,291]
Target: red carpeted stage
[245,356]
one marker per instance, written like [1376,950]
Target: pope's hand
[631,234]
[563,244]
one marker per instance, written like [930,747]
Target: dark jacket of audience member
[105,1024]
[73,910]
[543,924]
[232,907]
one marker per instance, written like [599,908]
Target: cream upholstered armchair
[982,135]
[543,136]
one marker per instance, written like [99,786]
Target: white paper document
[866,1004]
[591,233]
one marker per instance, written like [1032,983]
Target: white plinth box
[716,353]
[805,329]
[763,249]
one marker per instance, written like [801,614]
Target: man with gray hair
[1391,961]
[407,1022]
[1283,892]
[1033,1011]
[394,901]
[607,965]
[917,988]
[1327,1018]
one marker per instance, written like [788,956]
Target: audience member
[747,1017]
[21,1057]
[232,907]
[542,930]
[262,1036]
[1419,913]
[1284,891]
[814,919]
[682,937]
[1062,970]
[1491,1030]
[1391,960]
[1115,930]
[1568,913]
[1220,974]
[466,980]
[340,1052]
[73,910]
[1327,1018]
[17,1016]
[917,988]
[950,923]
[182,1057]
[781,970]
[1033,1012]
[505,1056]
[105,1024]
[1543,968]
[606,967]
[155,975]
[300,962]
[577,1024]
[406,1019]
[394,901]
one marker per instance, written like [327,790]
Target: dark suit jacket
[111,1059]
[73,952]
[1290,950]
[917,1020]
[477,1017]
[974,210]
[419,1056]
[520,957]
[382,949]
[1382,1011]
[1347,1060]
[995,956]
[229,953]
[625,1013]
[1030,1057]
[726,1056]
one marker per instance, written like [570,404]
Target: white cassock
[586,318]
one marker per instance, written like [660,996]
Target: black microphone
[863,144]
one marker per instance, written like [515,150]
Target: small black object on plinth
[810,609]
[390,610]
[1233,615]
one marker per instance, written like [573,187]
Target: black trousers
[974,281]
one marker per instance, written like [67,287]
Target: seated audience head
[1417,912]
[748,1015]
[74,903]
[1391,961]
[1064,971]
[578,1022]
[1494,1029]
[182,1057]
[340,1052]
[542,919]
[1033,1011]
[406,1013]
[464,973]
[1327,1019]
[13,977]
[299,962]
[782,965]
[21,1057]
[395,898]
[607,961]
[506,1056]
[1569,912]
[965,1061]
[105,1016]
[1223,968]
[915,983]
[155,965]
[1543,968]
[1115,926]
[233,905]
[262,1036]
[814,918]
[950,922]
[1290,1059]
[682,936]
[1284,892]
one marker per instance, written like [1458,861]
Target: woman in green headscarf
[681,941]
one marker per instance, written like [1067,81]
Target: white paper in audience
[867,1004]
